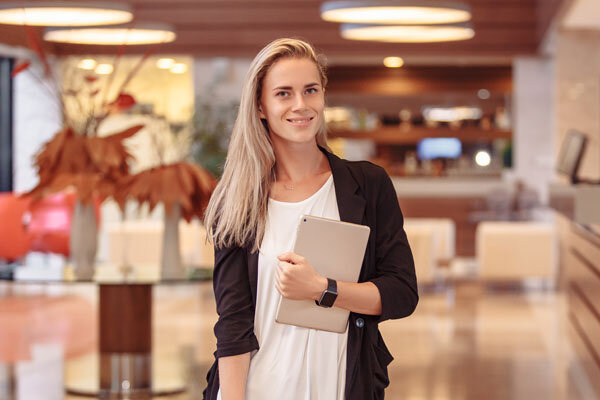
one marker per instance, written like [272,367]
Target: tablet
[336,250]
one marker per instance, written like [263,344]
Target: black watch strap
[329,295]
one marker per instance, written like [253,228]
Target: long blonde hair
[237,210]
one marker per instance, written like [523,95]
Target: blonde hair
[237,210]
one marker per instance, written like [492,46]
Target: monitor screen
[571,152]
[430,148]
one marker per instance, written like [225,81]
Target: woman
[279,167]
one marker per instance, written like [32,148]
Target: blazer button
[360,322]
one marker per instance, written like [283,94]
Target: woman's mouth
[300,121]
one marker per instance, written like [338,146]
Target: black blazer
[365,195]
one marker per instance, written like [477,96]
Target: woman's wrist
[320,287]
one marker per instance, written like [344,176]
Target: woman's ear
[261,114]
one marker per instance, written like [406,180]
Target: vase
[83,240]
[171,266]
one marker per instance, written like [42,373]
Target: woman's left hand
[297,279]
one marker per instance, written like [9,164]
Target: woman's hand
[297,279]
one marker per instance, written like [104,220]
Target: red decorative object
[15,240]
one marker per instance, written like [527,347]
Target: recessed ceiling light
[178,68]
[61,13]
[116,35]
[87,63]
[165,63]
[393,62]
[104,69]
[395,12]
[407,33]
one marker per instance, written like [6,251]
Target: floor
[480,344]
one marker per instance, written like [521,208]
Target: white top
[292,363]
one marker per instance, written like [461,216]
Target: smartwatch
[329,295]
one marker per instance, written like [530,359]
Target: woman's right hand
[233,372]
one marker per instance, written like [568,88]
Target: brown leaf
[20,68]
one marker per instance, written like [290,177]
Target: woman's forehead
[292,72]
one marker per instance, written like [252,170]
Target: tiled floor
[487,345]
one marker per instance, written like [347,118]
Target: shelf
[397,135]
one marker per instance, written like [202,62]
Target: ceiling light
[178,68]
[117,35]
[165,63]
[104,69]
[87,63]
[47,13]
[395,12]
[393,62]
[407,33]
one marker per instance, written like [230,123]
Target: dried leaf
[20,68]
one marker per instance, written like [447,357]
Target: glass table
[125,335]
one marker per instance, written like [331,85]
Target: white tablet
[336,250]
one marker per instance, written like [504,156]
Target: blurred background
[114,124]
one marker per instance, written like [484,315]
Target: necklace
[288,187]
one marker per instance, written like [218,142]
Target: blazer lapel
[350,204]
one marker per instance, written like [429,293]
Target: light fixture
[395,12]
[61,13]
[87,63]
[407,33]
[483,94]
[482,158]
[165,63]
[393,62]
[115,35]
[104,69]
[178,68]
[449,114]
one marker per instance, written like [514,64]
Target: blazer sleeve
[394,270]
[235,327]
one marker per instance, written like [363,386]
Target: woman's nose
[299,103]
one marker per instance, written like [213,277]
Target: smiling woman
[279,168]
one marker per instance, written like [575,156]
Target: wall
[534,123]
[578,93]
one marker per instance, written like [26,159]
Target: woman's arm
[233,372]
[297,280]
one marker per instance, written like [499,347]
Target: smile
[300,120]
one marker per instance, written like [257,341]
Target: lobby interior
[502,215]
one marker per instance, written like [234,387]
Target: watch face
[328,298]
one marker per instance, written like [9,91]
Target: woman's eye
[282,94]
[311,90]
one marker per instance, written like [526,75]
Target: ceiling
[239,28]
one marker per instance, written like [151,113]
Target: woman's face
[292,100]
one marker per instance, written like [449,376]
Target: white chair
[516,250]
[139,243]
[422,242]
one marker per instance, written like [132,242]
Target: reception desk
[580,266]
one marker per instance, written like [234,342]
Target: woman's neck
[298,162]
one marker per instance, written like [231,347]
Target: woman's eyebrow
[290,88]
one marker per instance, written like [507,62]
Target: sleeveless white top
[292,363]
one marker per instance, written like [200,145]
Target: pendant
[288,187]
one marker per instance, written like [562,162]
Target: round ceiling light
[395,12]
[393,62]
[128,35]
[407,33]
[62,13]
